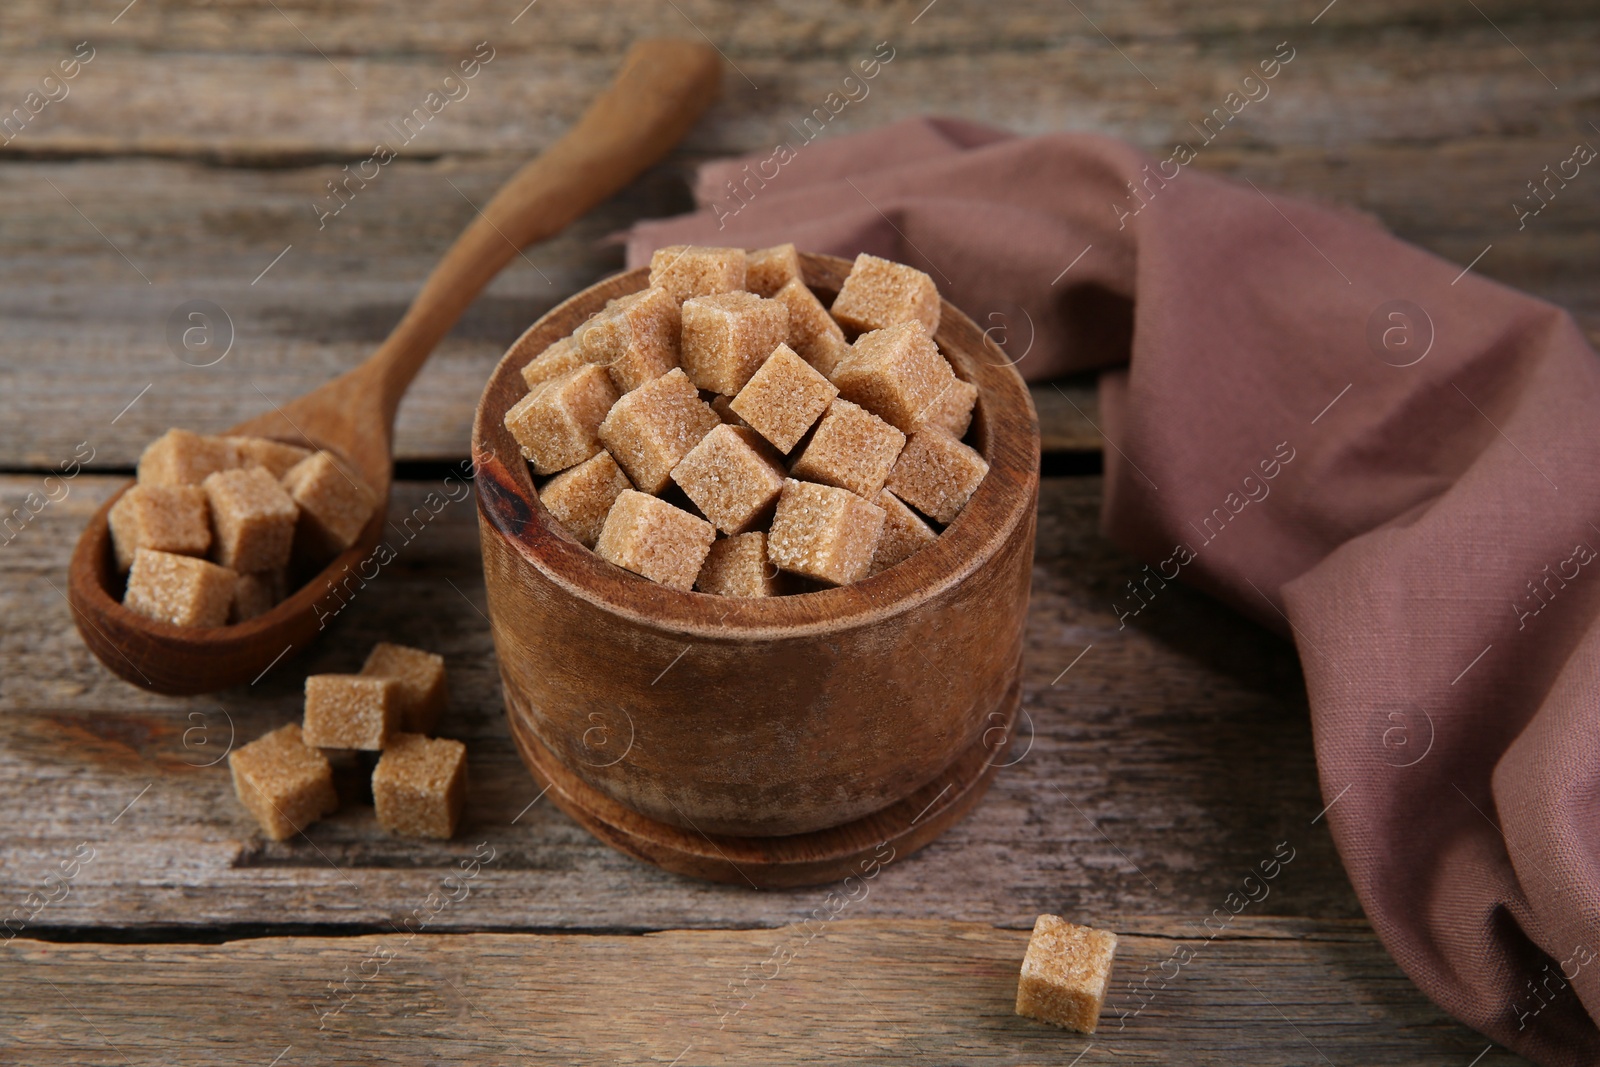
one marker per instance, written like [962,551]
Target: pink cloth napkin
[1389,460]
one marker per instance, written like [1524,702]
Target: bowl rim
[1005,432]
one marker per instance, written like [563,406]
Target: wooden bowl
[775,741]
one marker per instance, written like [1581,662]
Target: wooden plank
[861,991]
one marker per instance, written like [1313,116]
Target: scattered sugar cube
[738,566]
[651,537]
[561,357]
[181,590]
[650,429]
[687,271]
[896,373]
[727,336]
[419,680]
[952,411]
[351,711]
[275,456]
[852,449]
[579,498]
[936,474]
[904,532]
[783,398]
[812,331]
[1065,974]
[335,504]
[767,270]
[635,339]
[557,424]
[723,406]
[253,517]
[419,785]
[879,293]
[732,477]
[167,518]
[179,457]
[256,594]
[286,784]
[823,532]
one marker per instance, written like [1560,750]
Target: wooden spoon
[658,94]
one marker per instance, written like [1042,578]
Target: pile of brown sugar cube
[208,535]
[419,783]
[718,430]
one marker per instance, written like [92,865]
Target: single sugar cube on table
[419,785]
[823,532]
[253,517]
[561,357]
[896,373]
[419,681]
[852,449]
[256,594]
[1065,974]
[879,293]
[650,537]
[335,503]
[635,338]
[651,429]
[738,566]
[167,518]
[767,270]
[277,457]
[179,457]
[284,782]
[181,590]
[784,398]
[904,532]
[952,411]
[936,474]
[351,711]
[557,424]
[732,476]
[812,331]
[580,498]
[687,271]
[726,337]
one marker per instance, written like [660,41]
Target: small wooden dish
[772,741]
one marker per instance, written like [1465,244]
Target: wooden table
[1166,760]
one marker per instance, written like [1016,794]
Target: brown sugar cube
[686,270]
[904,532]
[784,398]
[561,357]
[651,537]
[419,785]
[936,474]
[181,590]
[635,339]
[1065,974]
[557,424]
[256,594]
[767,270]
[650,429]
[823,532]
[726,337]
[335,504]
[879,293]
[812,331]
[275,456]
[419,678]
[895,373]
[731,476]
[351,711]
[723,406]
[952,411]
[179,457]
[581,497]
[738,566]
[852,449]
[286,784]
[167,518]
[253,517]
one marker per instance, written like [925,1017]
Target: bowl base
[858,847]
